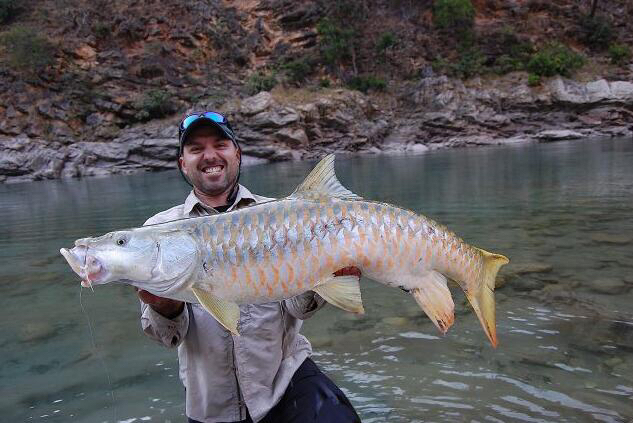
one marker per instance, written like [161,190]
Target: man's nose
[210,153]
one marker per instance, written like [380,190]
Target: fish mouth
[86,265]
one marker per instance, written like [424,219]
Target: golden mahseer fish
[281,248]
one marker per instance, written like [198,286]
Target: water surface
[561,212]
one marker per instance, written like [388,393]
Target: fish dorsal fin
[322,181]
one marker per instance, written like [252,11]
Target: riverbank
[295,124]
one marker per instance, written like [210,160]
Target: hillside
[95,87]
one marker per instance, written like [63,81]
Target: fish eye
[120,241]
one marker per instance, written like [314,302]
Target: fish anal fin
[322,181]
[434,297]
[342,291]
[225,312]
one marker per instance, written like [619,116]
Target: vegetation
[620,54]
[555,59]
[155,104]
[8,10]
[596,32]
[298,70]
[533,80]
[386,40]
[261,81]
[366,83]
[27,51]
[335,42]
[453,14]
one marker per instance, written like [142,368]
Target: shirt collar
[243,195]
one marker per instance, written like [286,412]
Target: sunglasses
[214,116]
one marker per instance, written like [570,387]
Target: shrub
[596,31]
[156,103]
[335,42]
[386,40]
[366,83]
[324,83]
[533,80]
[506,64]
[453,14]
[620,54]
[8,10]
[555,59]
[471,63]
[297,70]
[27,51]
[261,81]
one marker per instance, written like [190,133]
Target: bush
[471,63]
[386,40]
[335,42]
[453,14]
[506,64]
[261,81]
[533,80]
[366,83]
[297,70]
[27,51]
[8,10]
[620,54]
[596,32]
[555,59]
[324,83]
[155,104]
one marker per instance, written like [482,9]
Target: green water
[563,211]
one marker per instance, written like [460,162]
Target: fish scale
[278,249]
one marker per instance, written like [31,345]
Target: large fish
[282,248]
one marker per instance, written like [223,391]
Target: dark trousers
[311,397]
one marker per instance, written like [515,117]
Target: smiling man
[266,373]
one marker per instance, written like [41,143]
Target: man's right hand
[164,306]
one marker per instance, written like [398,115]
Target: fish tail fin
[481,295]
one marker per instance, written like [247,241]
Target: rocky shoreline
[412,118]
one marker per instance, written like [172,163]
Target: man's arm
[304,306]
[162,319]
[165,321]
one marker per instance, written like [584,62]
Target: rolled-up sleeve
[305,305]
[169,332]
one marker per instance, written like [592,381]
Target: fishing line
[97,353]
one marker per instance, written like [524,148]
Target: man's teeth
[213,169]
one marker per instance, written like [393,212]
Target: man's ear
[181,162]
[239,155]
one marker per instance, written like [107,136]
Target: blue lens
[216,117]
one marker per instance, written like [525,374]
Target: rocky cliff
[118,77]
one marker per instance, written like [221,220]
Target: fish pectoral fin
[341,291]
[434,297]
[322,181]
[225,312]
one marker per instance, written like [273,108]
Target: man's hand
[348,271]
[163,306]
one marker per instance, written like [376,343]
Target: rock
[526,284]
[417,148]
[526,268]
[321,341]
[614,239]
[274,119]
[292,136]
[256,104]
[36,331]
[608,286]
[395,321]
[558,134]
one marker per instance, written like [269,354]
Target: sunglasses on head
[214,116]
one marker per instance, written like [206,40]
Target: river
[562,212]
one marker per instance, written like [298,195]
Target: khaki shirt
[223,373]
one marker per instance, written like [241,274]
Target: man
[265,374]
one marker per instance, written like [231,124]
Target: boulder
[256,104]
[557,135]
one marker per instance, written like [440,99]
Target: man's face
[210,161]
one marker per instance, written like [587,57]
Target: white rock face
[256,104]
[558,134]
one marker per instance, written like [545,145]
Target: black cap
[225,129]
